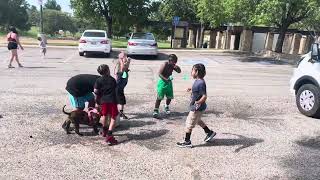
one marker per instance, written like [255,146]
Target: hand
[197,105]
[188,89]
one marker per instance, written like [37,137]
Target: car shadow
[160,57]
[241,140]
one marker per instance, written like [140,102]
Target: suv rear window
[94,34]
[147,36]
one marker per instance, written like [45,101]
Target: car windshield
[147,36]
[94,34]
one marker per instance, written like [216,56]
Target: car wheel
[81,53]
[307,100]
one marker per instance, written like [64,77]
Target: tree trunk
[109,24]
[280,40]
[201,36]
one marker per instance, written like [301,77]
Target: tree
[56,20]
[14,13]
[52,4]
[185,9]
[94,8]
[34,16]
[284,13]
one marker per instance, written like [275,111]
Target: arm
[202,99]
[97,96]
[177,69]
[115,68]
[18,42]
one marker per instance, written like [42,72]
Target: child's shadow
[244,141]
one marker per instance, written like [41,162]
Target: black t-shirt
[106,86]
[81,84]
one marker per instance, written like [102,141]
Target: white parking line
[69,58]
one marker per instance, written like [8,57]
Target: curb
[160,50]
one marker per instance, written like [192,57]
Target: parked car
[94,41]
[142,44]
[305,82]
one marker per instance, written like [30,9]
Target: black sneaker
[155,114]
[210,135]
[184,144]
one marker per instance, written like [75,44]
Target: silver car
[142,44]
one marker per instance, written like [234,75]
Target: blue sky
[65,4]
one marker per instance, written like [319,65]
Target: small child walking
[197,106]
[43,46]
[105,95]
[164,86]
[121,70]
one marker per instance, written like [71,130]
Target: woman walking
[13,43]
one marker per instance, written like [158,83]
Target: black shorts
[12,45]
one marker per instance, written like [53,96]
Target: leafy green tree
[54,21]
[52,4]
[96,8]
[284,13]
[185,9]
[34,16]
[14,13]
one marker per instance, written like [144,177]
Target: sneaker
[104,132]
[155,114]
[210,135]
[184,144]
[167,109]
[110,140]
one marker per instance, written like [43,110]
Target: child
[121,71]
[197,106]
[105,94]
[164,86]
[43,47]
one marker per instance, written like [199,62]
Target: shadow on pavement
[305,162]
[127,124]
[161,57]
[172,116]
[244,141]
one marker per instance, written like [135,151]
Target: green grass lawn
[122,43]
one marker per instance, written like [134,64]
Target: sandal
[20,65]
[10,66]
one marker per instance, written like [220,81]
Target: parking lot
[261,134]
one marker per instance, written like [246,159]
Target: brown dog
[81,117]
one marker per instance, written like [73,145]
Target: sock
[206,129]
[109,133]
[187,138]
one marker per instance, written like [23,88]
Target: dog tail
[67,113]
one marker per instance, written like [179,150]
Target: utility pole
[41,16]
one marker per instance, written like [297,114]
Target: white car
[94,41]
[142,44]
[305,82]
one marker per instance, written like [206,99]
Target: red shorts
[110,109]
